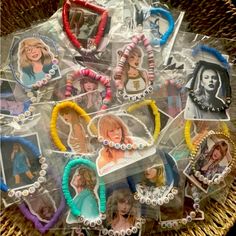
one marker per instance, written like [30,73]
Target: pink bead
[135,40]
[67,94]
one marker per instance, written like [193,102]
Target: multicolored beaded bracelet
[187,134]
[91,74]
[223,71]
[36,40]
[155,112]
[119,69]
[102,192]
[168,16]
[36,153]
[53,122]
[226,141]
[121,146]
[101,27]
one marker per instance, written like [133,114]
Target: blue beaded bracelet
[36,153]
[102,192]
[168,16]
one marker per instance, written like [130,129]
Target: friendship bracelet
[220,71]
[187,134]
[53,122]
[118,120]
[90,74]
[123,60]
[155,112]
[220,177]
[168,16]
[36,153]
[101,27]
[38,224]
[132,230]
[192,215]
[37,41]
[102,192]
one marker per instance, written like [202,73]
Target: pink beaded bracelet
[124,63]
[105,81]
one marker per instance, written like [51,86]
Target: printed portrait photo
[134,79]
[209,84]
[10,106]
[43,206]
[213,156]
[34,59]
[122,210]
[121,130]
[72,131]
[19,167]
[85,197]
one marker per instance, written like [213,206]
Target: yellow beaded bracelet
[54,115]
[155,112]
[187,135]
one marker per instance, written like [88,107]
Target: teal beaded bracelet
[70,201]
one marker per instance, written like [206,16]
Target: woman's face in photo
[123,207]
[89,86]
[216,155]
[209,80]
[134,60]
[16,147]
[115,134]
[78,181]
[67,117]
[150,173]
[33,53]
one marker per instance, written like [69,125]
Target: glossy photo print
[13,102]
[121,132]
[84,184]
[72,131]
[34,60]
[213,157]
[210,86]
[19,167]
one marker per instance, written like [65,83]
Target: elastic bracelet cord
[155,112]
[53,122]
[223,72]
[36,153]
[90,74]
[220,177]
[187,134]
[38,225]
[168,16]
[151,64]
[101,28]
[102,191]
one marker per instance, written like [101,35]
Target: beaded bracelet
[89,73]
[54,116]
[192,215]
[170,165]
[36,153]
[132,230]
[102,193]
[36,41]
[155,112]
[38,224]
[101,27]
[187,131]
[118,120]
[121,64]
[168,16]
[221,146]
[219,70]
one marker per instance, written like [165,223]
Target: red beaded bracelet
[101,28]
[89,73]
